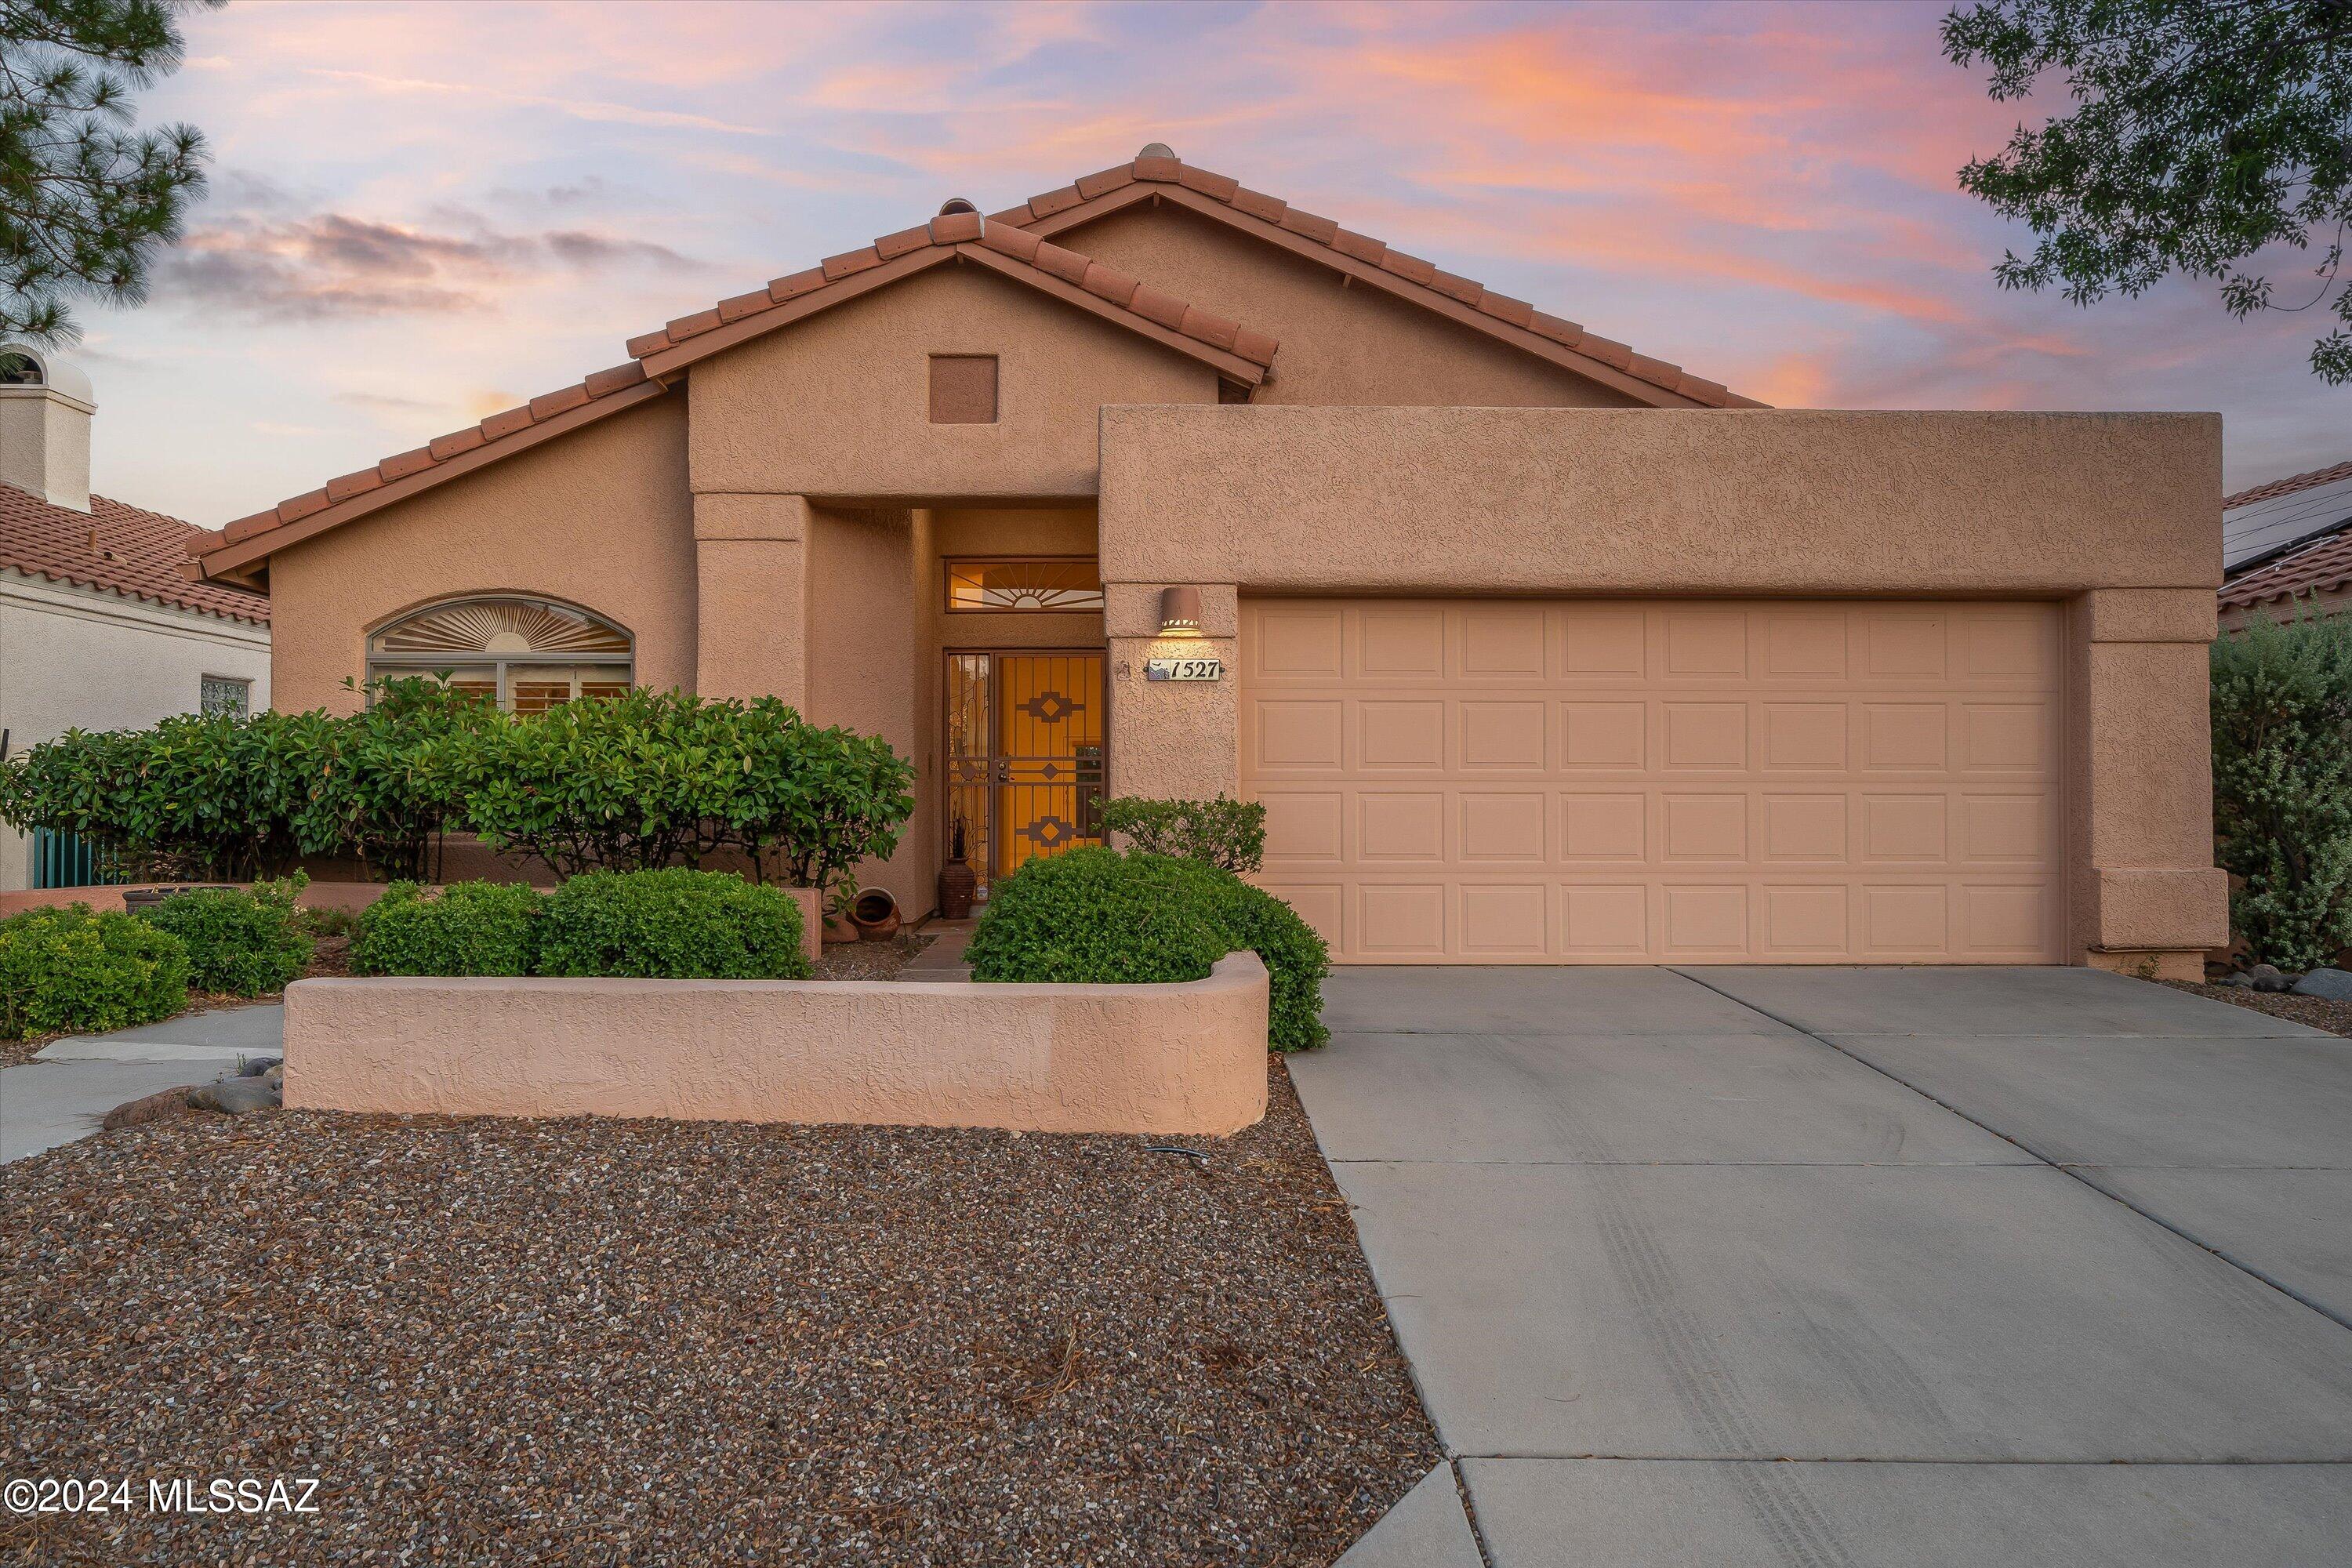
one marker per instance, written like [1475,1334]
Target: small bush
[466,928]
[2282,702]
[1228,834]
[245,943]
[71,970]
[1097,915]
[671,925]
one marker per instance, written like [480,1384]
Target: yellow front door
[1025,748]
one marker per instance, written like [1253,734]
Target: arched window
[530,654]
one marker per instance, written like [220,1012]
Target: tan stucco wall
[2115,515]
[599,517]
[840,404]
[1660,500]
[1341,342]
[1183,1058]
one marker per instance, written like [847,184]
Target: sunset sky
[423,213]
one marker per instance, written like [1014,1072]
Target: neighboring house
[1537,648]
[2287,545]
[100,628]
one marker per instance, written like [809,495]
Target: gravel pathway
[2312,1012]
[592,1342]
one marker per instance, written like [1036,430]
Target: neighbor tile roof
[2315,567]
[122,549]
[2288,486]
[1495,312]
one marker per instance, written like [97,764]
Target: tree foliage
[87,199]
[2281,698]
[2203,132]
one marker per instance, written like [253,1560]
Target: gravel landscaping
[598,1342]
[2315,1012]
[868,960]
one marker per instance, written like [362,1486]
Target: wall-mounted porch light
[1180,612]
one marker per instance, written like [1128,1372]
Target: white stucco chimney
[46,405]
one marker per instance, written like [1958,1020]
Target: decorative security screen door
[1025,753]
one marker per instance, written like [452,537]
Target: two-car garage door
[1490,782]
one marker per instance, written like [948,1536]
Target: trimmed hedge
[466,928]
[244,943]
[671,925]
[68,969]
[1098,916]
[1090,916]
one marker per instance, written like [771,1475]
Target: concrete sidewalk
[61,1094]
[1817,1267]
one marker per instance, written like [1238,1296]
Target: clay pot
[957,885]
[875,914]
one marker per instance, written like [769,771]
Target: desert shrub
[671,924]
[466,928]
[1228,834]
[245,943]
[1099,915]
[656,779]
[1095,915]
[213,795]
[2282,707]
[67,968]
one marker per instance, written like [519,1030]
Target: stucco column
[750,569]
[1173,738]
[2145,895]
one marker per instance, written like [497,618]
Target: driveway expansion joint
[2073,1172]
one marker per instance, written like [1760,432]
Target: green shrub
[2281,704]
[671,924]
[1097,915]
[1229,834]
[245,943]
[374,802]
[68,969]
[466,928]
[1296,958]
[654,779]
[211,795]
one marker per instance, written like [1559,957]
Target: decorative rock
[2330,984]
[2267,977]
[258,1065]
[150,1108]
[236,1095]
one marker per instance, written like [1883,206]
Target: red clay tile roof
[1237,350]
[2288,486]
[1004,244]
[1219,195]
[2314,567]
[122,548]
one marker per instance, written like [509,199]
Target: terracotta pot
[875,914]
[957,885]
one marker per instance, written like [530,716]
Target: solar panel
[2264,528]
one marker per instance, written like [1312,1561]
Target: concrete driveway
[1823,1266]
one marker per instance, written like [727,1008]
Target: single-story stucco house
[1536,649]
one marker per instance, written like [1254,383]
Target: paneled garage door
[1495,782]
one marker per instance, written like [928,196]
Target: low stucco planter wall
[1188,1059]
